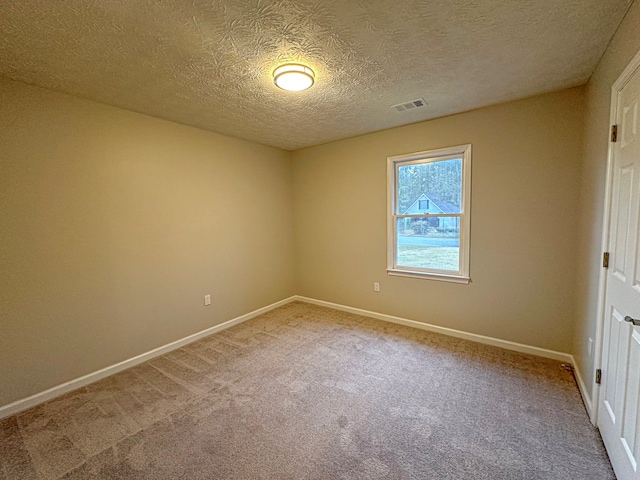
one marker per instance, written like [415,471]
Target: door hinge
[605,260]
[614,133]
[598,376]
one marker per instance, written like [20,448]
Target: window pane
[432,242]
[434,187]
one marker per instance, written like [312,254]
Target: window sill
[429,276]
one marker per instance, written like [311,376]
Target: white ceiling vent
[410,105]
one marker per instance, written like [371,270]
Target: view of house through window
[429,213]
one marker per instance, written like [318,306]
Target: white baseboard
[38,398]
[496,342]
[506,344]
[33,400]
[583,390]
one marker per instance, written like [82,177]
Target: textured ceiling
[209,63]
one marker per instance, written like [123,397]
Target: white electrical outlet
[376,287]
[590,346]
[207,300]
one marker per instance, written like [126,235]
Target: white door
[619,409]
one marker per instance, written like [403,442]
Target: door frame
[618,85]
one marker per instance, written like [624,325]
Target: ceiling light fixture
[293,77]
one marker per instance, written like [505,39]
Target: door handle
[632,320]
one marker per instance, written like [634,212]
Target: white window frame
[393,164]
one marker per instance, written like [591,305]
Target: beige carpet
[305,392]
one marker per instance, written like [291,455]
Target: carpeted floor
[305,392]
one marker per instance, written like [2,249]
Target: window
[433,244]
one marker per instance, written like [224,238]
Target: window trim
[462,276]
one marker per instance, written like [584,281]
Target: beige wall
[621,50]
[114,225]
[524,218]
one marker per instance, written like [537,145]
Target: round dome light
[293,77]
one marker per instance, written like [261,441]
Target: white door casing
[618,414]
